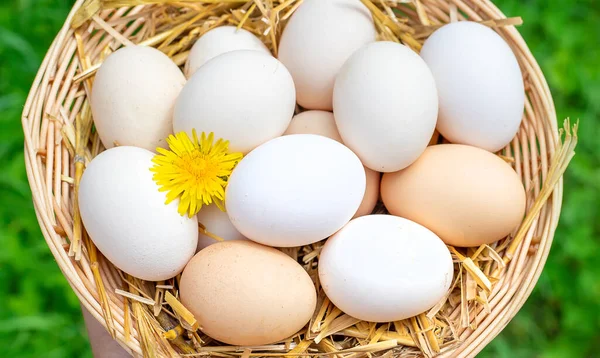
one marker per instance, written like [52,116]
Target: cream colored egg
[133,96]
[383,268]
[216,222]
[319,37]
[246,97]
[220,40]
[323,123]
[243,293]
[295,190]
[466,195]
[127,219]
[385,104]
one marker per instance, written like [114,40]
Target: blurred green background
[40,317]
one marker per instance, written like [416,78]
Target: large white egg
[385,105]
[383,268]
[127,219]
[479,83]
[220,40]
[216,222]
[295,190]
[133,96]
[319,37]
[246,97]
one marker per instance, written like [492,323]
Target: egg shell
[295,190]
[244,96]
[314,122]
[319,37]
[385,105]
[220,40]
[323,123]
[243,293]
[434,138]
[216,222]
[127,219]
[371,193]
[466,195]
[133,96]
[383,268]
[479,83]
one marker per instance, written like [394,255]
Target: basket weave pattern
[59,142]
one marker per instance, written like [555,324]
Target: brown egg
[314,122]
[371,193]
[243,293]
[466,195]
[434,138]
[323,123]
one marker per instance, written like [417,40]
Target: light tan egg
[371,194]
[466,195]
[244,293]
[434,138]
[314,122]
[323,123]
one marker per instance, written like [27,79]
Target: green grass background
[40,316]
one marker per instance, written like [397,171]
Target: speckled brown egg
[244,293]
[466,195]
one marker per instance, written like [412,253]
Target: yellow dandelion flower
[195,171]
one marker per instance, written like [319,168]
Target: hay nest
[491,281]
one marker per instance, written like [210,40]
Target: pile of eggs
[334,124]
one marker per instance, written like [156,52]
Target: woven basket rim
[42,139]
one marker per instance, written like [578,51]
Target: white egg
[220,40]
[246,97]
[385,105]
[319,37]
[127,219]
[295,190]
[216,222]
[383,268]
[479,83]
[133,96]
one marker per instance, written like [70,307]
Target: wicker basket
[491,285]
